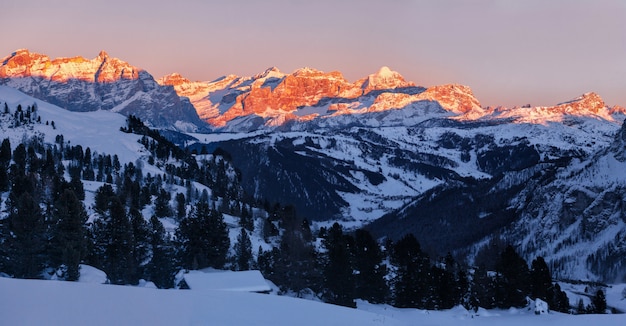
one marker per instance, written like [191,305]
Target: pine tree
[203,238]
[482,290]
[103,197]
[338,278]
[4,180]
[368,262]
[246,220]
[27,241]
[68,242]
[161,267]
[5,153]
[118,252]
[243,251]
[19,157]
[559,300]
[141,243]
[162,204]
[580,307]
[598,303]
[77,186]
[412,281]
[540,280]
[181,209]
[513,279]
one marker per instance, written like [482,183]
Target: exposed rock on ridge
[103,83]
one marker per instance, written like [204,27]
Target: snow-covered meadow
[42,302]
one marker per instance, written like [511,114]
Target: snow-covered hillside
[98,130]
[32,302]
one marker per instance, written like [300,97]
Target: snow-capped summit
[384,78]
[173,79]
[588,105]
[102,83]
[103,68]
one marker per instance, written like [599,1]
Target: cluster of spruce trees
[46,229]
[353,265]
[46,232]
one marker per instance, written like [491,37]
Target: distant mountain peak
[103,54]
[588,103]
[173,79]
[384,78]
[101,83]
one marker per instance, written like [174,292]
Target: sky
[510,52]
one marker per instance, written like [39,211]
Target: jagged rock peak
[269,72]
[582,105]
[454,97]
[103,55]
[103,68]
[173,79]
[617,110]
[384,78]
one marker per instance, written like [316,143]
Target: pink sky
[510,52]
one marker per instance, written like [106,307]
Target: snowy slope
[32,302]
[99,130]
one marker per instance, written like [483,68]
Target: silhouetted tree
[203,238]
[243,251]
[161,268]
[412,280]
[598,303]
[27,238]
[513,279]
[69,241]
[370,282]
[338,277]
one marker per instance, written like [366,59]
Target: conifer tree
[370,282]
[412,281]
[181,208]
[27,238]
[203,238]
[514,279]
[68,241]
[338,278]
[162,204]
[246,220]
[598,303]
[243,251]
[559,300]
[5,153]
[141,243]
[103,197]
[118,255]
[19,157]
[481,290]
[4,180]
[540,280]
[161,267]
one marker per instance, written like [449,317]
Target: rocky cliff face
[103,83]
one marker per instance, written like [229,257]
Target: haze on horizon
[510,52]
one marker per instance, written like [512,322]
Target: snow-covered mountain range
[103,83]
[385,152]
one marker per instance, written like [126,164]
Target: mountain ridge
[268,100]
[102,83]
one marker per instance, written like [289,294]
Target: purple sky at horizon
[510,52]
